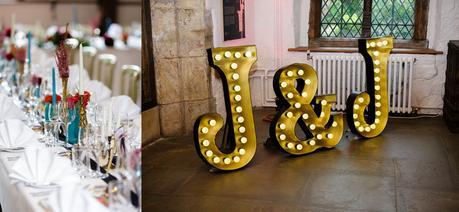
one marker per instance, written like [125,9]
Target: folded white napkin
[124,106]
[40,167]
[14,133]
[8,110]
[74,199]
[99,92]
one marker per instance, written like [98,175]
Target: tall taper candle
[81,69]
[29,49]
[53,77]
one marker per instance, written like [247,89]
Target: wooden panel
[148,66]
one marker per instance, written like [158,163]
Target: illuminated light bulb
[307,81]
[378,97]
[206,143]
[329,136]
[209,153]
[377,87]
[218,57]
[216,160]
[212,122]
[243,140]
[384,42]
[299,147]
[289,95]
[312,126]
[377,121]
[378,113]
[236,159]
[361,100]
[234,65]
[284,84]
[242,151]
[372,44]
[290,145]
[240,119]
[378,104]
[305,116]
[237,98]
[282,126]
[334,124]
[304,94]
[235,76]
[289,114]
[242,129]
[376,53]
[312,142]
[323,102]
[367,129]
[361,129]
[227,54]
[377,62]
[237,88]
[377,70]
[239,109]
[373,126]
[237,55]
[368,45]
[205,130]
[355,116]
[322,114]
[282,137]
[248,54]
[377,79]
[289,73]
[357,123]
[356,107]
[319,136]
[379,44]
[297,105]
[300,72]
[227,161]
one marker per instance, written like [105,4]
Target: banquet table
[19,197]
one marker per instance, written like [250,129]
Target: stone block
[190,4]
[172,119]
[150,125]
[164,31]
[195,75]
[162,4]
[193,110]
[168,81]
[192,33]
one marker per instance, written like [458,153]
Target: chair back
[131,74]
[89,54]
[105,71]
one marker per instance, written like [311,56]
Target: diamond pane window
[341,18]
[393,17]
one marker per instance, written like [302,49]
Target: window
[341,22]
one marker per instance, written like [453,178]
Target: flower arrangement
[36,80]
[62,62]
[49,99]
[75,100]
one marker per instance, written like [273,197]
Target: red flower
[9,56]
[7,32]
[49,98]
[62,61]
[74,100]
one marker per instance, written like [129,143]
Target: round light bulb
[355,116]
[299,147]
[290,145]
[373,126]
[377,70]
[237,88]
[377,121]
[304,94]
[378,113]
[334,124]
[239,109]
[237,55]
[319,136]
[377,62]
[385,42]
[212,122]
[227,161]
[307,81]
[218,57]
[242,129]
[289,95]
[240,119]
[361,99]
[283,84]
[329,136]
[237,98]
[312,126]
[216,160]
[378,104]
[376,53]
[322,114]
[227,54]
[242,151]
[236,159]
[282,137]
[305,116]
[234,65]
[243,140]
[378,97]
[205,130]
[289,73]
[323,102]
[367,129]
[209,153]
[361,129]
[377,87]
[282,126]
[300,72]
[235,76]
[372,44]
[289,114]
[297,105]
[379,44]
[312,142]
[206,143]
[248,54]
[377,79]
[357,123]
[356,107]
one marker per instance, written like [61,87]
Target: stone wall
[182,71]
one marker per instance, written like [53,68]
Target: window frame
[419,39]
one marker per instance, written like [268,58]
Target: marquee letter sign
[233,65]
[371,122]
[295,86]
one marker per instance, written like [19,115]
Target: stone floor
[412,166]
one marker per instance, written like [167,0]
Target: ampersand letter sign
[233,65]
[295,87]
[367,112]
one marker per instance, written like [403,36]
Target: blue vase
[74,127]
[48,111]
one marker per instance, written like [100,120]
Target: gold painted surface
[379,50]
[326,130]
[233,65]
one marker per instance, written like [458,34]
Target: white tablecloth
[18,197]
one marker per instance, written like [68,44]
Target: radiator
[342,74]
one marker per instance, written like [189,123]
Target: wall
[28,13]
[181,68]
[282,24]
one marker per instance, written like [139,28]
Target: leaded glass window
[347,19]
